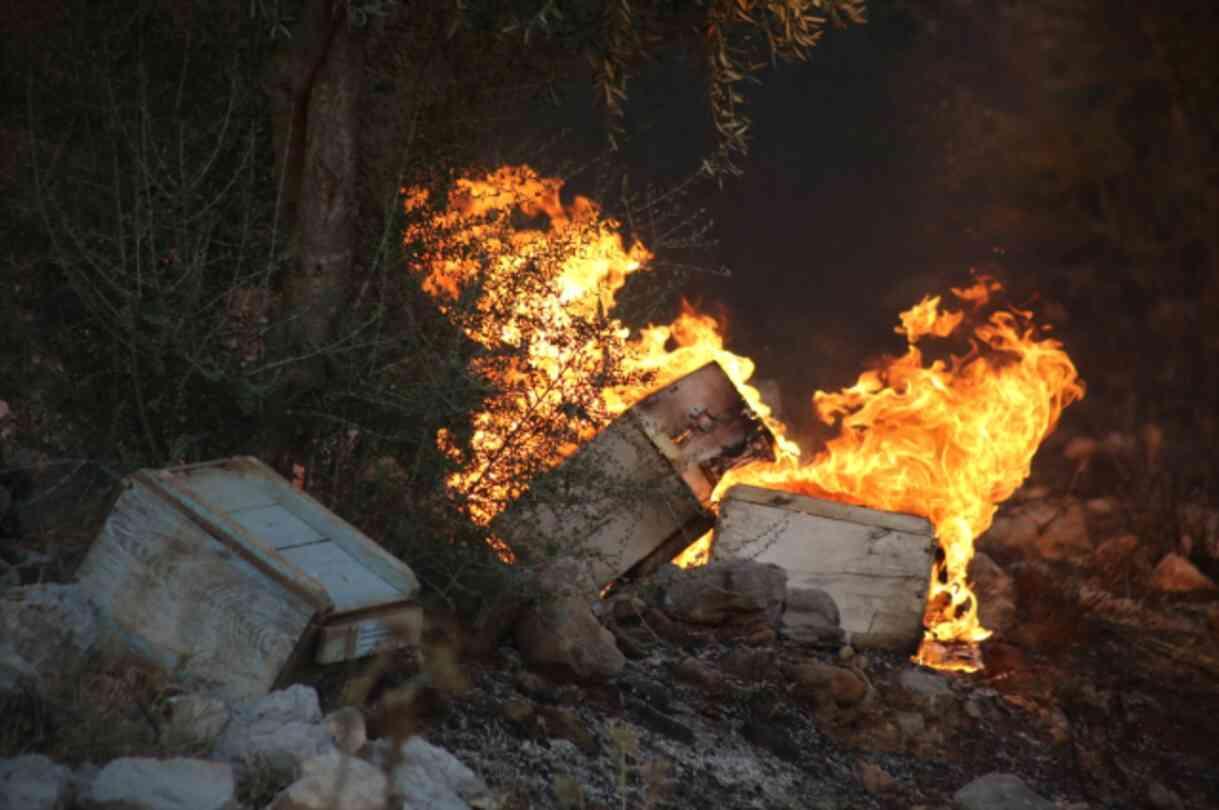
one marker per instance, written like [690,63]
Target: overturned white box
[225,574]
[638,491]
[876,565]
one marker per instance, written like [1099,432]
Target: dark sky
[821,232]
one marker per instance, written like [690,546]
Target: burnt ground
[1101,691]
[1096,724]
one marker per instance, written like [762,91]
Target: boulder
[1175,574]
[811,617]
[561,635]
[138,783]
[427,777]
[335,780]
[48,633]
[281,731]
[999,791]
[728,591]
[34,782]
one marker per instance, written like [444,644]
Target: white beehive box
[224,573]
[641,487]
[876,565]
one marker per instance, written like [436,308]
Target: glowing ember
[948,440]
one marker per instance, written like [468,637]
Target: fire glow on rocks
[947,439]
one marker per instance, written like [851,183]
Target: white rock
[281,731]
[34,782]
[428,777]
[347,728]
[47,629]
[138,783]
[335,781]
[999,791]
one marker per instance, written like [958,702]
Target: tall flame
[946,439]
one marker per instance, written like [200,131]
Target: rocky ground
[1101,690]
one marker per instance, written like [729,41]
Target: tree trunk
[315,89]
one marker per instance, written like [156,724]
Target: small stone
[927,688]
[811,617]
[692,670]
[561,635]
[1175,574]
[34,782]
[875,779]
[749,665]
[999,791]
[1101,506]
[348,729]
[725,591]
[847,688]
[1066,536]
[139,783]
[335,780]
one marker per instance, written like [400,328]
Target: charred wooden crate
[225,574]
[637,494]
[876,565]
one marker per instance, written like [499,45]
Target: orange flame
[948,440]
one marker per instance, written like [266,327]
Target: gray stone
[725,591]
[811,617]
[561,635]
[138,783]
[281,731]
[335,780]
[34,782]
[48,630]
[427,777]
[927,688]
[999,791]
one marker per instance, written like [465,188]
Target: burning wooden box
[224,573]
[876,565]
[637,493]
